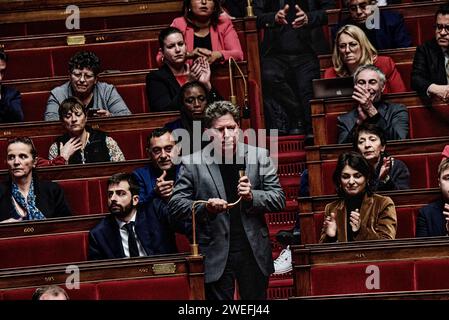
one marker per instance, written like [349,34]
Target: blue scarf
[29,205]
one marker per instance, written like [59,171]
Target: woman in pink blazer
[207,32]
[353,49]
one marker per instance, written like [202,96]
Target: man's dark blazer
[428,67]
[391,118]
[391,34]
[431,221]
[152,228]
[50,200]
[10,105]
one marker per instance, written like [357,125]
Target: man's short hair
[85,59]
[372,68]
[156,133]
[218,109]
[53,290]
[444,165]
[442,9]
[165,33]
[3,56]
[70,104]
[134,187]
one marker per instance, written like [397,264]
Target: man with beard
[369,83]
[430,72]
[131,230]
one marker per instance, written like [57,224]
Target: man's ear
[135,200]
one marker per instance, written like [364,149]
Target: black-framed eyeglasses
[441,27]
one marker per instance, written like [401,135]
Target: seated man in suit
[430,72]
[237,185]
[433,219]
[157,178]
[10,100]
[131,230]
[369,83]
[101,99]
[389,34]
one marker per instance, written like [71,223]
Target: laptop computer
[333,88]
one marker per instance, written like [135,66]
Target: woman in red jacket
[353,49]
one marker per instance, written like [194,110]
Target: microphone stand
[232,97]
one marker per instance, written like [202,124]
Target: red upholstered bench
[42,250]
[351,278]
[134,96]
[432,274]
[83,196]
[166,288]
[34,105]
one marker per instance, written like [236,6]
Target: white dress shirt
[124,236]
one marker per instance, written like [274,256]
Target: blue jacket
[10,105]
[431,221]
[152,228]
[146,177]
[391,34]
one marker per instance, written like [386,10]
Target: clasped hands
[365,108]
[300,20]
[330,224]
[216,205]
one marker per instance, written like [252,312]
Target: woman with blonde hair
[353,49]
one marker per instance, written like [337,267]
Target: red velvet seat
[34,105]
[166,288]
[351,278]
[405,70]
[41,250]
[130,143]
[77,195]
[134,97]
[422,117]
[29,64]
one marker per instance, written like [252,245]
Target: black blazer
[162,90]
[431,221]
[50,200]
[152,227]
[10,105]
[428,67]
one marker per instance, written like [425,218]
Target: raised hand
[164,188]
[200,71]
[244,189]
[386,166]
[446,215]
[364,98]
[330,225]
[70,147]
[281,15]
[354,220]
[301,18]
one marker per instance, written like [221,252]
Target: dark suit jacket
[162,90]
[200,179]
[392,118]
[152,228]
[50,200]
[10,105]
[431,221]
[428,67]
[391,34]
